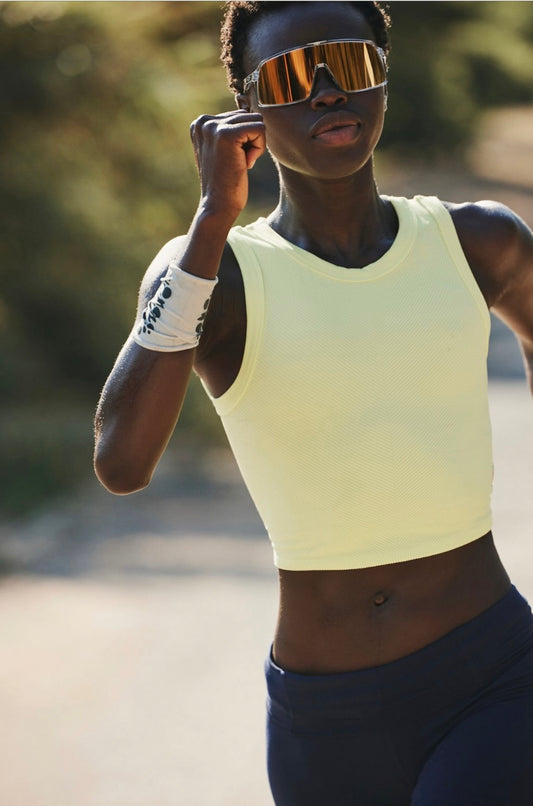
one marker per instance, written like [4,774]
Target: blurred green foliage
[96,173]
[449,62]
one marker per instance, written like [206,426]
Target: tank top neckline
[392,258]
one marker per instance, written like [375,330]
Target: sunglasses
[286,78]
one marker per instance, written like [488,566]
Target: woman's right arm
[143,396]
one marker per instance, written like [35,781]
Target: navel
[380,599]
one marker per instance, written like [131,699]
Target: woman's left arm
[498,245]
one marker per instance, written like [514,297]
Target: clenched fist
[226,146]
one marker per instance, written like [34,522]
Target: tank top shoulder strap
[444,221]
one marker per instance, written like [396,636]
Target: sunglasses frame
[253,77]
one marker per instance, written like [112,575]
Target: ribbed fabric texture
[359,418]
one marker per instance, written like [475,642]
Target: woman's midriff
[337,621]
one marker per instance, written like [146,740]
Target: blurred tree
[449,62]
[96,173]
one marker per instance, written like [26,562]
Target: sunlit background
[134,629]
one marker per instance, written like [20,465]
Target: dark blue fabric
[449,725]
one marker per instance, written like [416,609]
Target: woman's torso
[332,621]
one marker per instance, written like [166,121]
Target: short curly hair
[240,14]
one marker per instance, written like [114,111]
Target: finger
[234,116]
[248,136]
[211,124]
[252,154]
[238,113]
[244,117]
[254,145]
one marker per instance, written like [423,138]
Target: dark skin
[329,621]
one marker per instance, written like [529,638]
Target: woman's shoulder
[486,219]
[495,240]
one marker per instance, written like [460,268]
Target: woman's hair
[240,14]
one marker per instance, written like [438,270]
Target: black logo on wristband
[152,312]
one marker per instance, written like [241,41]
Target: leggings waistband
[476,651]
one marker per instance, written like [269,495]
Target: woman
[345,350]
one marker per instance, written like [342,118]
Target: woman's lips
[340,135]
[336,129]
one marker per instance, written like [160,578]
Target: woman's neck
[343,221]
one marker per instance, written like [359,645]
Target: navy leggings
[449,725]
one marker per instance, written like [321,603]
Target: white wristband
[174,317]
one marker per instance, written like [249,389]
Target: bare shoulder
[487,221]
[497,243]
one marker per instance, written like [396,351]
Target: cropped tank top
[359,417]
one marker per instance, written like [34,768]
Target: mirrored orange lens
[289,77]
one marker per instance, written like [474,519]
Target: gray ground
[134,631]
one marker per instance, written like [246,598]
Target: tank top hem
[388,555]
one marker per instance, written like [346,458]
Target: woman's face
[293,132]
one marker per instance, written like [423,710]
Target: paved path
[134,632]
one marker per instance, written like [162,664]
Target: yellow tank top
[359,418]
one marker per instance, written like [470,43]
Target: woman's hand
[226,146]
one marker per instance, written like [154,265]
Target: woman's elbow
[120,480]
